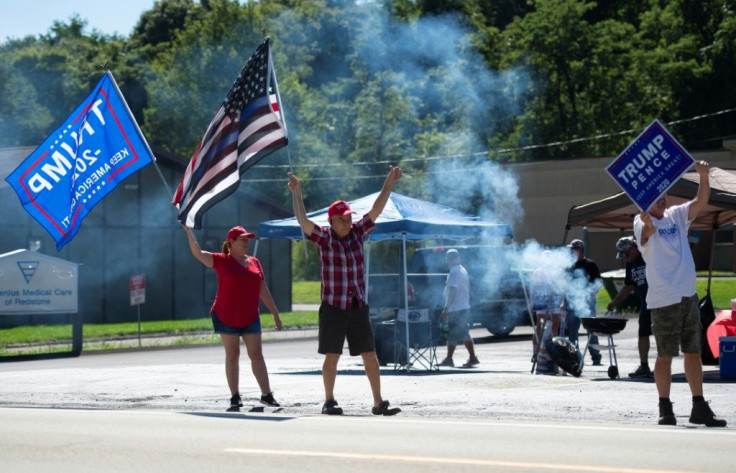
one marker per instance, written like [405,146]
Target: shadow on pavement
[709,377]
[238,416]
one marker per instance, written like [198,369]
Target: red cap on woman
[235,232]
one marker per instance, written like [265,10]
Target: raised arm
[393,176]
[297,201]
[204,257]
[703,195]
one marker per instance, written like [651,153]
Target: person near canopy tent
[344,312]
[240,286]
[662,233]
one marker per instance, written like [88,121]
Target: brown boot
[666,416]
[702,414]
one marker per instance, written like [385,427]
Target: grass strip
[40,334]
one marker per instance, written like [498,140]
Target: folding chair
[422,340]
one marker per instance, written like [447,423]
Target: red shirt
[342,263]
[238,290]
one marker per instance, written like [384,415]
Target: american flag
[247,127]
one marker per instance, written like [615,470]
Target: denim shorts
[253,329]
[677,325]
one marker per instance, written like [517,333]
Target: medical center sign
[650,165]
[34,283]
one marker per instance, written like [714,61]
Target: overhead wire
[465,155]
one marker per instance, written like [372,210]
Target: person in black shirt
[636,280]
[588,269]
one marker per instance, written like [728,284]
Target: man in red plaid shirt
[343,312]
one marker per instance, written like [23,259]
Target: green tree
[48,76]
[188,82]
[159,25]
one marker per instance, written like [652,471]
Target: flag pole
[295,204]
[108,72]
[272,75]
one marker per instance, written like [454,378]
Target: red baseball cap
[235,232]
[339,207]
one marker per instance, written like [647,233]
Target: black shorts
[336,324]
[645,323]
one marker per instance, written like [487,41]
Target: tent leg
[564,237]
[406,300]
[367,271]
[531,318]
[712,249]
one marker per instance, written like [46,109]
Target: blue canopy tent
[403,218]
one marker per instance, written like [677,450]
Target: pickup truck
[496,292]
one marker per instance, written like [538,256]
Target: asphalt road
[69,441]
[165,410]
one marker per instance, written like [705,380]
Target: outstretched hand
[395,173]
[646,218]
[702,167]
[294,185]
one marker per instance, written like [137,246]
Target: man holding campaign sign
[663,241]
[645,170]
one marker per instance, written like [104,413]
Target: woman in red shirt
[240,286]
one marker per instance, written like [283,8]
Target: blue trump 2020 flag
[97,147]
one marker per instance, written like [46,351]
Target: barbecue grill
[605,326]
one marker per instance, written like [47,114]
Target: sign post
[138,297]
[650,165]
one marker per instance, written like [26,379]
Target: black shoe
[384,410]
[666,415]
[268,400]
[597,362]
[642,372]
[236,402]
[702,414]
[330,408]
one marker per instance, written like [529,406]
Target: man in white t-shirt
[662,236]
[457,309]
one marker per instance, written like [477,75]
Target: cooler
[727,349]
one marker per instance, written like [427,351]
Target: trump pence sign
[650,165]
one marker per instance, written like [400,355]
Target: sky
[19,18]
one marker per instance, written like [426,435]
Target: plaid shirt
[342,263]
